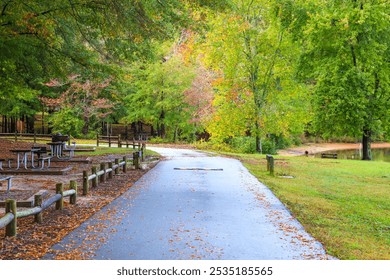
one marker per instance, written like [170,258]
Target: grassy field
[345,204]
[114,150]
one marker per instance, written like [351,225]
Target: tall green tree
[42,40]
[252,51]
[346,58]
[157,94]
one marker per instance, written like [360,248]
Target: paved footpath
[193,205]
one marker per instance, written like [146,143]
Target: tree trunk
[85,129]
[175,134]
[13,125]
[258,139]
[258,144]
[43,121]
[162,125]
[366,141]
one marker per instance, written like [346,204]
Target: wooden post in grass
[10,207]
[60,202]
[267,158]
[95,179]
[271,165]
[73,197]
[85,182]
[38,203]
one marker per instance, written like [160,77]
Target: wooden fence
[26,136]
[9,220]
[119,141]
[106,171]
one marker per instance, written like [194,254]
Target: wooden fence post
[10,206]
[103,177]
[38,203]
[109,140]
[267,158]
[125,165]
[271,165]
[60,190]
[136,160]
[73,197]
[94,180]
[97,139]
[143,151]
[85,182]
[117,164]
[110,173]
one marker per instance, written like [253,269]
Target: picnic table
[59,148]
[56,148]
[22,156]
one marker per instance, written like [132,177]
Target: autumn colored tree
[81,105]
[199,96]
[256,92]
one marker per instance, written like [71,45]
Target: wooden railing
[26,136]
[119,141]
[103,174]
[106,172]
[9,220]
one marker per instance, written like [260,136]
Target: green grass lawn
[345,204]
[114,150]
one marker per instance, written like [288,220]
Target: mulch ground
[34,240]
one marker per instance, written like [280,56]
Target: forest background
[249,75]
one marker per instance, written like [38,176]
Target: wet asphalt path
[193,206]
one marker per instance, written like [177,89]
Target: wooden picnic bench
[43,157]
[42,161]
[9,181]
[324,155]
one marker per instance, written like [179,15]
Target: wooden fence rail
[26,136]
[6,219]
[9,220]
[119,141]
[104,173]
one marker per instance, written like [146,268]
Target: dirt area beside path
[33,240]
[25,185]
[314,148]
